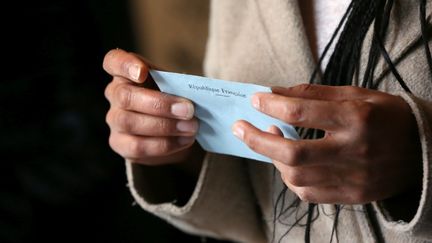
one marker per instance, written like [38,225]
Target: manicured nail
[185,140]
[256,102]
[134,71]
[182,110]
[187,126]
[238,131]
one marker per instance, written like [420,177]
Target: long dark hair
[342,69]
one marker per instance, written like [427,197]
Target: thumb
[276,131]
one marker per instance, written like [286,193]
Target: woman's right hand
[147,126]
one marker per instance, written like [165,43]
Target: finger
[293,153]
[344,195]
[289,152]
[176,157]
[325,115]
[146,125]
[324,194]
[137,147]
[118,62]
[133,98]
[275,130]
[324,92]
[321,195]
[307,176]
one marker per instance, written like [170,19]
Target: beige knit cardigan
[264,42]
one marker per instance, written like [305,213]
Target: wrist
[173,181]
[187,173]
[402,206]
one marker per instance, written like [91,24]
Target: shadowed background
[59,179]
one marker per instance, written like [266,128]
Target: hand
[370,151]
[146,125]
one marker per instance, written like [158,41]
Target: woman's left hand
[370,151]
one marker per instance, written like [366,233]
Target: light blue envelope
[218,105]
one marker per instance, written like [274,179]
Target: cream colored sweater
[327,15]
[264,42]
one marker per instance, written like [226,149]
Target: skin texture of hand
[370,151]
[147,126]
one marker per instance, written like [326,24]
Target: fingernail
[134,71]
[187,126]
[185,140]
[238,131]
[183,110]
[255,102]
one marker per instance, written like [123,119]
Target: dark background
[60,181]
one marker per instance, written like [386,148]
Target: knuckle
[164,126]
[337,177]
[351,90]
[361,195]
[364,152]
[360,177]
[122,120]
[116,145]
[362,113]
[109,117]
[295,154]
[108,91]
[119,120]
[306,87]
[159,105]
[251,140]
[124,95]
[135,150]
[312,89]
[112,142]
[292,112]
[164,146]
[296,178]
[304,195]
[284,179]
[364,176]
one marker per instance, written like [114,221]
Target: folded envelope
[218,105]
